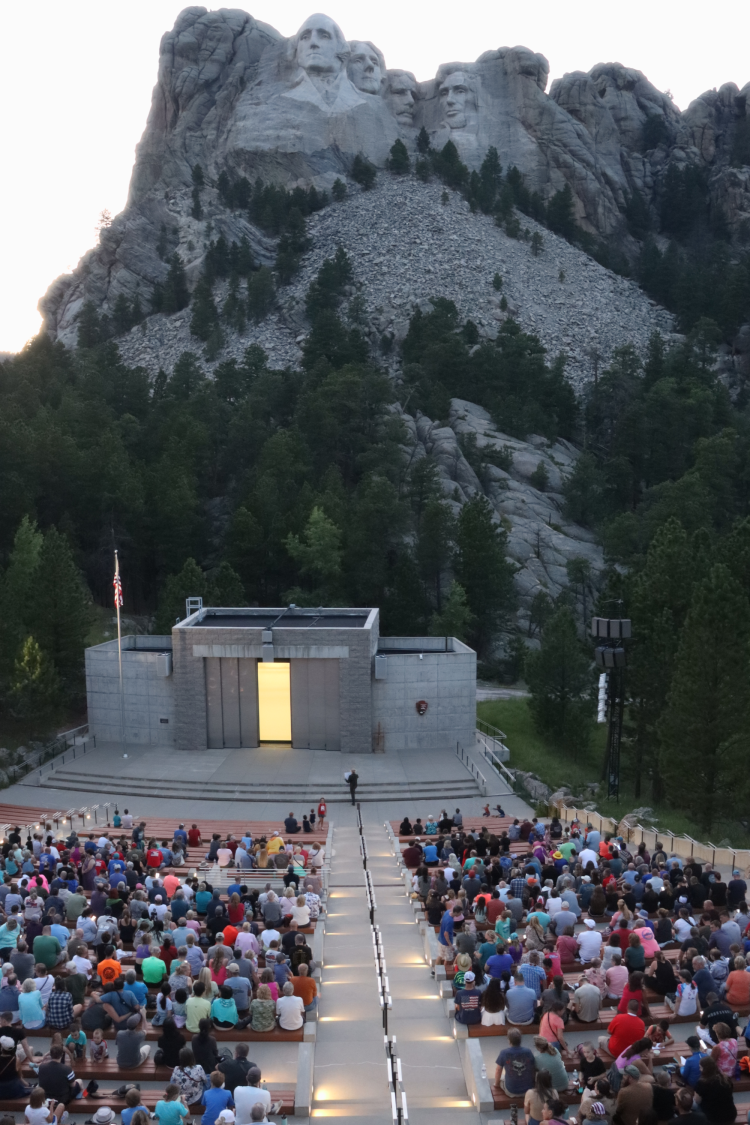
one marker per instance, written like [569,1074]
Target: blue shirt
[521,1002]
[234,889]
[430,853]
[498,964]
[181,834]
[691,1071]
[445,937]
[128,1113]
[115,865]
[214,1101]
[470,1011]
[534,976]
[140,991]
[62,933]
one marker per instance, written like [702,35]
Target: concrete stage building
[318,679]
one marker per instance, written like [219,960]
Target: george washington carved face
[321,47]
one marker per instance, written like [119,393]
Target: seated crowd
[100,936]
[518,910]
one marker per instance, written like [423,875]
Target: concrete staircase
[82,779]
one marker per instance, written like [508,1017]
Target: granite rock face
[407,246]
[233,95]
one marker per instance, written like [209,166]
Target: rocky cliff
[233,95]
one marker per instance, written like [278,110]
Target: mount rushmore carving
[234,96]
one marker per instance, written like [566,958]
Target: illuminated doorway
[274,702]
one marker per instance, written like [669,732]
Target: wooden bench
[571,1097]
[149,1098]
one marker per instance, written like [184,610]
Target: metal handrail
[493,732]
[477,774]
[492,758]
[60,744]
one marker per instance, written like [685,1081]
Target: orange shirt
[306,988]
[230,936]
[109,970]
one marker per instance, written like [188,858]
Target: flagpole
[118,600]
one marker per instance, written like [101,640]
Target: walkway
[350,1071]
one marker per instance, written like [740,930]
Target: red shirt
[627,995]
[567,947]
[154,857]
[322,809]
[194,837]
[494,909]
[624,1031]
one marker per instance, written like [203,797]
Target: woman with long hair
[535,1099]
[492,1002]
[210,985]
[635,957]
[218,968]
[534,934]
[170,1044]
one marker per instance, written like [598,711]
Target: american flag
[117,584]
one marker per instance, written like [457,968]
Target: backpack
[614,1077]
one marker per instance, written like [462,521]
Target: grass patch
[531,751]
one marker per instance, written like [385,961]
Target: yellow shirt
[275,845]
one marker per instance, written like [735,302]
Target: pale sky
[76,81]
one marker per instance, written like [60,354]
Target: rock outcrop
[540,540]
[233,95]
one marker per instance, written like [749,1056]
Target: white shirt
[682,928]
[245,1097]
[44,985]
[289,1009]
[554,906]
[83,965]
[224,856]
[589,944]
[588,856]
[267,936]
[127,821]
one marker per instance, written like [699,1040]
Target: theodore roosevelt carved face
[401,92]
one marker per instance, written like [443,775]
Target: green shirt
[46,950]
[568,849]
[75,906]
[197,1008]
[154,970]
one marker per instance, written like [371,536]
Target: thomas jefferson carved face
[401,95]
[455,98]
[365,67]
[320,46]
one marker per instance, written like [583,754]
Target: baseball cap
[633,1071]
[469,976]
[590,923]
[597,1109]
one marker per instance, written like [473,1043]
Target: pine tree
[578,571]
[455,619]
[261,294]
[89,327]
[318,555]
[398,160]
[121,315]
[560,677]
[561,213]
[435,546]
[60,614]
[235,308]
[703,730]
[423,142]
[205,316]
[226,588]
[537,244]
[175,293]
[338,191]
[17,591]
[658,603]
[136,311]
[190,582]
[363,172]
[35,689]
[483,570]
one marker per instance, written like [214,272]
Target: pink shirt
[616,978]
